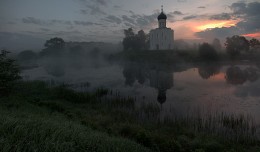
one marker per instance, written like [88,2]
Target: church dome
[162,16]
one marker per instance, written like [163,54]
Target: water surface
[178,89]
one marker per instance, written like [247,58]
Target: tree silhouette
[207,52]
[134,41]
[141,39]
[254,43]
[236,44]
[27,57]
[9,73]
[53,47]
[56,43]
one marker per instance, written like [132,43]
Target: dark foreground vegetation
[36,117]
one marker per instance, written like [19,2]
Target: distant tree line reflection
[235,75]
[161,76]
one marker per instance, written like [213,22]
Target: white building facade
[162,37]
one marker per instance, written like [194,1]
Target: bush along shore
[36,117]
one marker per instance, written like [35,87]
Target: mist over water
[179,89]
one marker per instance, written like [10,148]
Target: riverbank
[39,118]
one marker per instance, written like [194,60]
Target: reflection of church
[161,80]
[160,77]
[162,37]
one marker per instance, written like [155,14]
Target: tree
[129,32]
[216,44]
[207,52]
[53,47]
[9,73]
[27,57]
[141,39]
[254,43]
[129,38]
[236,44]
[134,41]
[56,43]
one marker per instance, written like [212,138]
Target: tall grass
[107,111]
[44,126]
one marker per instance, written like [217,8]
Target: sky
[35,21]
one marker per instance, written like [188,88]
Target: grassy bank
[39,118]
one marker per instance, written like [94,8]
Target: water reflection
[159,77]
[235,75]
[208,70]
[162,81]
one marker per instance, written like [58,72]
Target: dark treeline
[235,47]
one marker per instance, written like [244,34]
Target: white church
[162,37]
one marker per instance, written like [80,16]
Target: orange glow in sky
[215,24]
[253,35]
[186,29]
[218,77]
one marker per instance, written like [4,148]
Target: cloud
[247,13]
[146,20]
[60,22]
[177,13]
[97,2]
[45,29]
[218,32]
[117,6]
[202,7]
[93,7]
[102,2]
[222,16]
[130,20]
[189,17]
[32,20]
[95,10]
[85,23]
[238,8]
[113,19]
[84,12]
[181,1]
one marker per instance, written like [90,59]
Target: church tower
[162,37]
[162,19]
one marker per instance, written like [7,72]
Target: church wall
[161,39]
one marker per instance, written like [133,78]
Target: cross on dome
[162,15]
